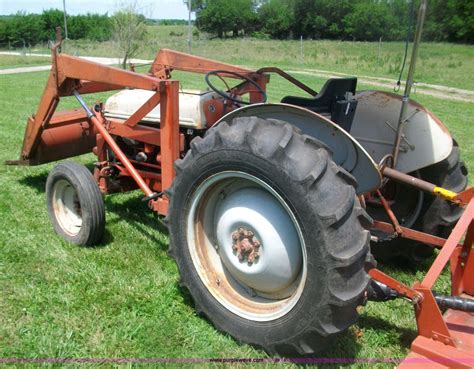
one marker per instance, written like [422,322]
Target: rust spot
[384,98]
[246,245]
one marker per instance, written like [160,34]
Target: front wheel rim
[66,207]
[246,246]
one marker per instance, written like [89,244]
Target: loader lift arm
[168,60]
[74,76]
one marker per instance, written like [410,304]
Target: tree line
[24,29]
[361,20]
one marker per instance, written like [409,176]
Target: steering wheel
[228,96]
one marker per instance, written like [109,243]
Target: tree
[369,21]
[277,18]
[129,31]
[450,20]
[221,16]
[22,30]
[51,19]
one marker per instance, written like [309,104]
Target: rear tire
[437,216]
[75,204]
[265,176]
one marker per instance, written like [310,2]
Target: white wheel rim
[223,210]
[67,207]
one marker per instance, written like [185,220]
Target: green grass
[439,63]
[122,299]
[15,61]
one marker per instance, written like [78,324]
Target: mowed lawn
[122,298]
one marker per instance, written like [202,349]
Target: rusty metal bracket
[402,289]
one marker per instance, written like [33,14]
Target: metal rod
[190,32]
[390,213]
[115,148]
[421,184]
[407,179]
[409,84]
[65,21]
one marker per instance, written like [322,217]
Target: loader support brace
[115,148]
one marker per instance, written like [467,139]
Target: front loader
[271,207]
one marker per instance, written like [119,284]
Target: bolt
[417,299]
[218,281]
[245,245]
[463,254]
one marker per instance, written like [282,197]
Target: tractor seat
[335,100]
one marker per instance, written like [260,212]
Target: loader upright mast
[410,80]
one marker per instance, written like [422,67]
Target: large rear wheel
[269,236]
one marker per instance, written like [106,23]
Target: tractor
[272,208]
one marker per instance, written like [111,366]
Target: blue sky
[157,9]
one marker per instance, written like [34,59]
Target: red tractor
[271,207]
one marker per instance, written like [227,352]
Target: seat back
[331,100]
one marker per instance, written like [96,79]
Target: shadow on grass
[136,212]
[407,335]
[402,264]
[36,182]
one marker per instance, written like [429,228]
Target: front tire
[75,204]
[269,236]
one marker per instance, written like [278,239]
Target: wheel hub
[257,240]
[67,207]
[245,245]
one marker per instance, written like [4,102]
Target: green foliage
[51,19]
[169,22]
[129,32]
[91,27]
[277,18]
[29,29]
[321,18]
[222,16]
[369,21]
[450,20]
[364,20]
[21,30]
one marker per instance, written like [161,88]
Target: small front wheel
[75,204]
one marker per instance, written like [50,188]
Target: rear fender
[426,139]
[346,152]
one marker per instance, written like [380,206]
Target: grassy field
[15,61]
[122,299]
[439,63]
